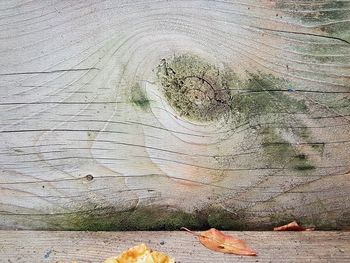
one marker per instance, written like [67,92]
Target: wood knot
[194,88]
[89,177]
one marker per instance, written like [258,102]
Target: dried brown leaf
[218,241]
[293,226]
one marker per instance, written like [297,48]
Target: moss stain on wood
[146,218]
[138,97]
[202,92]
[330,17]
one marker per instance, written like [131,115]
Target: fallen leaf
[218,241]
[140,254]
[293,226]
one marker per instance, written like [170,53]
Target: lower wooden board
[52,246]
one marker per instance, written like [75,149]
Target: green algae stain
[140,219]
[332,18]
[221,219]
[138,97]
[146,218]
[329,16]
[280,152]
[158,218]
[313,220]
[275,148]
[263,94]
[301,162]
[304,167]
[202,92]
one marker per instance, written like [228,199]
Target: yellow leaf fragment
[140,254]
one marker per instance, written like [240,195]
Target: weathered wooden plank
[38,246]
[103,126]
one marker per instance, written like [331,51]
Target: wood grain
[59,247]
[75,151]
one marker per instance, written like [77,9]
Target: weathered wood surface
[79,151]
[59,247]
